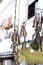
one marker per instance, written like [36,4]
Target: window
[31,10]
[42,16]
[36,8]
[36,0]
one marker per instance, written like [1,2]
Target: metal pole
[14,48]
[15,14]
[17,42]
[18,28]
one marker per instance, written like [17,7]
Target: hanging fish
[23,31]
[35,22]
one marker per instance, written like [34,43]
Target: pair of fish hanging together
[37,22]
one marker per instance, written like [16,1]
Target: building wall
[29,29]
[30,1]
[8,62]
[22,15]
[40,4]
[1,63]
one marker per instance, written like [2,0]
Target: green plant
[34,45]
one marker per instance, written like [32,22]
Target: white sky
[8,11]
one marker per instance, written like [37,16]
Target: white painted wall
[40,4]
[29,29]
[5,44]
[8,62]
[24,63]
[30,1]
